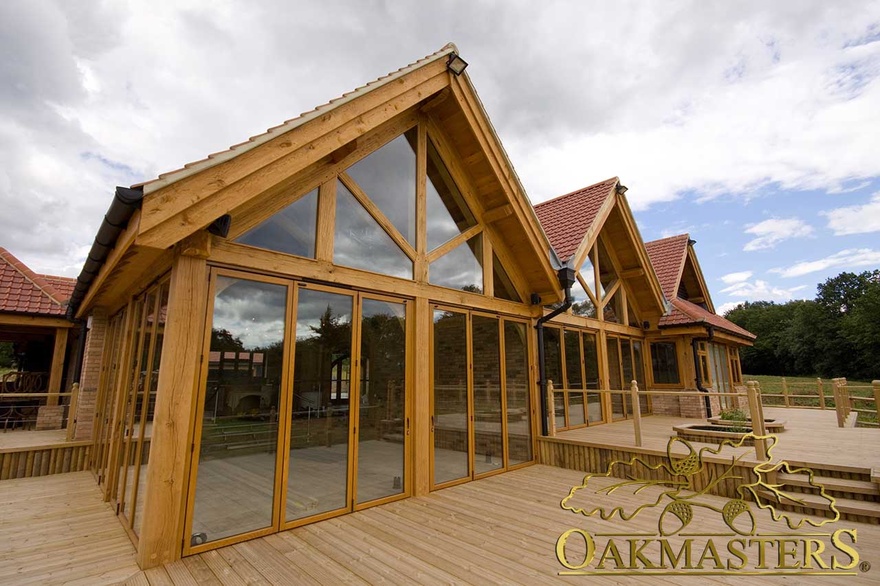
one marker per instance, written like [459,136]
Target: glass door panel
[382,425]
[615,379]
[488,407]
[516,370]
[317,479]
[626,362]
[591,370]
[553,372]
[235,486]
[639,368]
[450,409]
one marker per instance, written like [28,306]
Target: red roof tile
[686,313]
[667,257]
[24,291]
[567,219]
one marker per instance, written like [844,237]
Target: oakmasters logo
[680,487]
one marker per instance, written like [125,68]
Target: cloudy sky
[754,126]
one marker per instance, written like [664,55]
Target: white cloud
[731,278]
[845,259]
[773,231]
[761,290]
[725,307]
[858,219]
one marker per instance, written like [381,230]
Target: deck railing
[846,398]
[37,410]
[752,392]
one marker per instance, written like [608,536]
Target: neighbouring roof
[233,151]
[567,219]
[24,291]
[685,313]
[667,257]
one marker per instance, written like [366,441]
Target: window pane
[575,408]
[639,367]
[319,432]
[292,230]
[631,315]
[362,243]
[574,378]
[450,410]
[588,271]
[664,363]
[591,368]
[553,370]
[615,378]
[461,268]
[613,312]
[448,214]
[489,442]
[582,304]
[516,365]
[388,177]
[504,288]
[382,409]
[236,469]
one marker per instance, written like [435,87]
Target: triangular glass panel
[448,214]
[607,276]
[461,268]
[388,177]
[362,243]
[588,272]
[613,311]
[504,288]
[292,230]
[631,315]
[582,304]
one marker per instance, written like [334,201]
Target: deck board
[811,436]
[501,529]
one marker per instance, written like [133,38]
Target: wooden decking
[811,436]
[57,530]
[500,530]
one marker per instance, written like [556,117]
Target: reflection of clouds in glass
[459,269]
[448,214]
[374,307]
[312,305]
[361,243]
[388,177]
[292,230]
[251,311]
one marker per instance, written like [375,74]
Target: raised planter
[771,425]
[710,434]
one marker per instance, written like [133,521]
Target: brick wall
[91,375]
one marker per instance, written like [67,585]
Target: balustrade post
[637,411]
[785,398]
[876,385]
[756,413]
[551,410]
[71,411]
[821,388]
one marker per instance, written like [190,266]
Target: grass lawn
[803,391]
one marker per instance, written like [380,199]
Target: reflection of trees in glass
[222,339]
[323,360]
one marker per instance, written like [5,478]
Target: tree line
[835,334]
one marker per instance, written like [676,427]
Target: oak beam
[165,499]
[422,399]
[57,366]
[34,321]
[173,212]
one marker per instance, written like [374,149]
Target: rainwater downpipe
[710,334]
[566,279]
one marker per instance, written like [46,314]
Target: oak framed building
[342,312]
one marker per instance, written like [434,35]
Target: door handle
[432,424]
[407,426]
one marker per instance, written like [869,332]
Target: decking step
[835,484]
[845,506]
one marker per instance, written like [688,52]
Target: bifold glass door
[481,412]
[303,408]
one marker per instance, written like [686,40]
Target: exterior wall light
[456,64]
[621,189]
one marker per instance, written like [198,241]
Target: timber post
[637,412]
[551,410]
[756,413]
[785,393]
[876,385]
[71,411]
[160,539]
[821,389]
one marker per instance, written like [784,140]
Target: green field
[804,392]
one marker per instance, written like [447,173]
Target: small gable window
[292,230]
